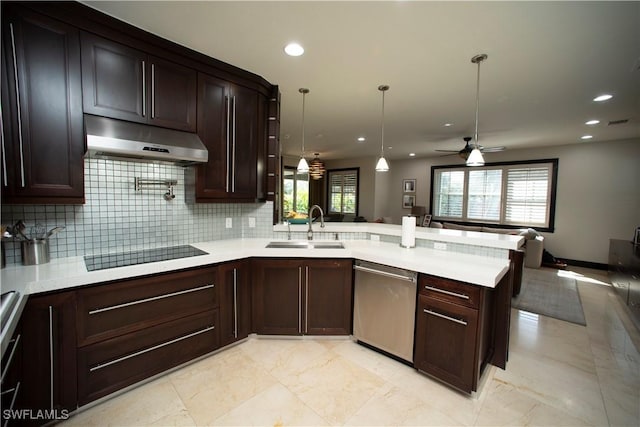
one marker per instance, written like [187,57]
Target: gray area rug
[544,292]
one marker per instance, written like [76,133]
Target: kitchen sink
[289,244]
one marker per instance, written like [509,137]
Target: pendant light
[382,165]
[316,167]
[475,157]
[303,166]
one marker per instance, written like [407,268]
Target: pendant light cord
[304,93]
[477,104]
[382,128]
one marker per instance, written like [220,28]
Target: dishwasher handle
[385,273]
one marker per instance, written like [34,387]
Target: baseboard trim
[586,264]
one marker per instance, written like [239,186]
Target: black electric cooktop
[101,262]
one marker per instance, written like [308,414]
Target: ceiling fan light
[382,165]
[475,158]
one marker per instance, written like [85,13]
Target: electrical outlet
[375,238]
[252,222]
[229,223]
[440,245]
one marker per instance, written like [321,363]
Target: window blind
[343,191]
[527,195]
[449,195]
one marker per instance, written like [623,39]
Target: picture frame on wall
[409,185]
[426,221]
[408,201]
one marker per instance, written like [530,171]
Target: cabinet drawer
[449,290]
[115,309]
[118,362]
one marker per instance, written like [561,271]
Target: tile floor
[559,374]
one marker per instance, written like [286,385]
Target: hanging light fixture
[382,165]
[475,157]
[316,167]
[303,166]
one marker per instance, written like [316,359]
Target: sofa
[534,242]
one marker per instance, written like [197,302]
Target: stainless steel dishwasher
[384,308]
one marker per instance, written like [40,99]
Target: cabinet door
[244,143]
[445,344]
[49,352]
[235,301]
[173,95]
[114,80]
[328,297]
[43,95]
[212,178]
[277,296]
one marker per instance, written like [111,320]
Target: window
[520,194]
[343,191]
[295,191]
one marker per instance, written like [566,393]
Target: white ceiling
[547,61]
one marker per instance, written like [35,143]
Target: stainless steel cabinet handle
[233,155]
[144,89]
[384,273]
[51,352]
[5,180]
[13,400]
[228,128]
[15,343]
[18,108]
[300,300]
[235,303]
[306,297]
[435,313]
[442,291]
[153,91]
[142,301]
[155,347]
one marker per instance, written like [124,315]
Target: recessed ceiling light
[293,49]
[361,139]
[586,137]
[604,97]
[592,122]
[412,154]
[448,125]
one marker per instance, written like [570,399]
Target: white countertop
[477,238]
[66,273]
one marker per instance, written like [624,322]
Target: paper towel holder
[413,239]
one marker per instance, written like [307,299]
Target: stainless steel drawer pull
[434,313]
[384,273]
[15,343]
[142,301]
[442,291]
[155,347]
[235,303]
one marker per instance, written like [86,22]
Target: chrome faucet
[310,230]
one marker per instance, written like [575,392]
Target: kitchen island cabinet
[42,128]
[453,331]
[49,368]
[235,301]
[300,297]
[128,84]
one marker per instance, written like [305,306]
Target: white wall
[598,193]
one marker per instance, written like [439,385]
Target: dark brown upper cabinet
[128,84]
[42,128]
[231,123]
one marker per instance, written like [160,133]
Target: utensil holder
[34,251]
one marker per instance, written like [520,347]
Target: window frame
[328,193]
[553,180]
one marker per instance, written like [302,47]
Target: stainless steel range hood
[120,140]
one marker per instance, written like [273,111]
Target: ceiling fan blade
[492,149]
[448,151]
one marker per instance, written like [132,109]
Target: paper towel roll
[408,231]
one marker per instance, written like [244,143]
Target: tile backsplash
[117,218]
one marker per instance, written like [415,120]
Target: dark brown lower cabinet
[235,301]
[302,296]
[453,331]
[49,374]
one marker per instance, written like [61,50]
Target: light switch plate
[229,223]
[375,237]
[440,245]
[252,222]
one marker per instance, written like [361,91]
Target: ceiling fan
[464,153]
